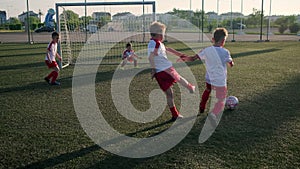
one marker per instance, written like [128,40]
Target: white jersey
[52,50]
[215,59]
[161,60]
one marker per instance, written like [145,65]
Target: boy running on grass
[215,58]
[162,69]
[51,61]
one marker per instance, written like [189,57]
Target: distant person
[50,60]
[129,55]
[162,69]
[215,58]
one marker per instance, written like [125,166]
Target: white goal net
[103,24]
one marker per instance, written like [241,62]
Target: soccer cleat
[178,117]
[47,80]
[55,83]
[201,110]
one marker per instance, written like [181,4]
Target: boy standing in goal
[51,61]
[162,69]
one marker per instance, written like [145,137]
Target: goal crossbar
[57,5]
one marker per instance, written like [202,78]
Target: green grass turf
[39,127]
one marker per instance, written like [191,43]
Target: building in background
[22,17]
[98,16]
[229,16]
[3,17]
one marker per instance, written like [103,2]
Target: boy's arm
[231,63]
[185,58]
[229,60]
[151,60]
[175,52]
[135,55]
[59,57]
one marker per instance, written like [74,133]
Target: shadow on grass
[42,54]
[21,48]
[51,162]
[23,66]
[251,128]
[270,110]
[107,75]
[256,52]
[66,83]
[243,129]
[115,160]
[248,128]
[112,161]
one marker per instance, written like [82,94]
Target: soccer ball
[231,102]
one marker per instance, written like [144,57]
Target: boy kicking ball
[162,69]
[216,58]
[51,61]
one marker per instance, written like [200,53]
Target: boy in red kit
[162,69]
[51,61]
[129,55]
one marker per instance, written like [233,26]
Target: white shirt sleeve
[151,47]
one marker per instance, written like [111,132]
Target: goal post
[73,39]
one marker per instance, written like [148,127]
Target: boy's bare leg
[124,62]
[135,62]
[56,69]
[186,84]
[171,104]
[170,98]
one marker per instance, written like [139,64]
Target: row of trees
[75,22]
[15,24]
[283,24]
[287,22]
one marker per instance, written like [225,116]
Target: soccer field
[40,129]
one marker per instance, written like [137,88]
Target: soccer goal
[103,24]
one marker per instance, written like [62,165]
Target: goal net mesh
[103,25]
[111,27]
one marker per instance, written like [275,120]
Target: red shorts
[52,64]
[129,58]
[167,78]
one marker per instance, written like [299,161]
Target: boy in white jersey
[215,58]
[51,61]
[162,69]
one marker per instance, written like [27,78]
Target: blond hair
[157,28]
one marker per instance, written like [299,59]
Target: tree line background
[74,22]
